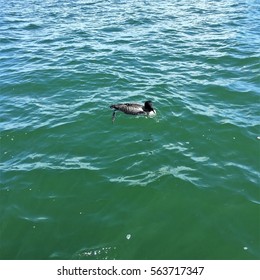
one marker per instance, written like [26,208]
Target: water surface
[182,185]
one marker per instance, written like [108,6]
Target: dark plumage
[134,109]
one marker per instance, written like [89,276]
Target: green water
[182,185]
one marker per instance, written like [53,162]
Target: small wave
[112,29]
[54,163]
[254,200]
[93,2]
[36,219]
[145,178]
[178,147]
[32,26]
[99,253]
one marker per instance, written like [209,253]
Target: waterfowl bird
[134,109]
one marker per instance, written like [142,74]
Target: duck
[134,109]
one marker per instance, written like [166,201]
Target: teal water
[182,185]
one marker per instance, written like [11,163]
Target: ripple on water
[36,219]
[101,253]
[153,177]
